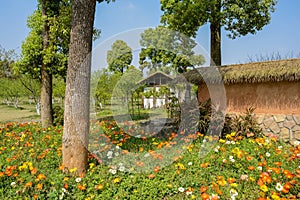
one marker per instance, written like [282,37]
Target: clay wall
[277,104]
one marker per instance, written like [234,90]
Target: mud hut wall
[277,104]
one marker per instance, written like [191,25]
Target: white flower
[269,170]
[204,141]
[224,160]
[259,168]
[230,157]
[190,163]
[109,153]
[232,142]
[244,177]
[268,154]
[63,190]
[113,171]
[233,193]
[117,154]
[189,192]
[13,184]
[217,149]
[279,187]
[227,142]
[122,168]
[77,180]
[214,196]
[181,189]
[296,142]
[146,155]
[279,147]
[117,147]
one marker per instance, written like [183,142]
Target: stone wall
[286,127]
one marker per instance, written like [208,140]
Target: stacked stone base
[286,127]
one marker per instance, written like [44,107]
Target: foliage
[244,125]
[119,57]
[11,90]
[238,17]
[7,60]
[56,55]
[105,85]
[162,46]
[240,168]
[58,116]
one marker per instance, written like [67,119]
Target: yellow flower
[275,197]
[222,182]
[264,188]
[91,165]
[180,166]
[117,180]
[233,134]
[73,169]
[222,141]
[233,184]
[228,136]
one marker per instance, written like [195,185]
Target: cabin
[272,88]
[155,82]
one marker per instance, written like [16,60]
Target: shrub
[243,125]
[58,115]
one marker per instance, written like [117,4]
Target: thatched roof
[157,78]
[258,72]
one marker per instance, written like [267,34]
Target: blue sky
[281,35]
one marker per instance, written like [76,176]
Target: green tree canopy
[238,17]
[119,57]
[56,54]
[162,47]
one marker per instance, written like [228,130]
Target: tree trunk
[46,77]
[77,99]
[215,35]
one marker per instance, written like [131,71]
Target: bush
[243,125]
[58,116]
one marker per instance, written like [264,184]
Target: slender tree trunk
[215,35]
[77,99]
[46,77]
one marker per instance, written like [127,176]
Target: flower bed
[234,168]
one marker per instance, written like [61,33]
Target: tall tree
[119,57]
[239,17]
[44,52]
[77,98]
[164,49]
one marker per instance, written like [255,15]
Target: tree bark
[77,98]
[215,35]
[46,77]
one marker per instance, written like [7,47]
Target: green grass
[25,112]
[30,166]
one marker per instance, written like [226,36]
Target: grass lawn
[25,112]
[174,167]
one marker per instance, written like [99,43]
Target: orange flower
[251,168]
[81,187]
[41,176]
[150,176]
[204,165]
[289,176]
[39,186]
[205,196]
[66,186]
[278,164]
[231,180]
[99,187]
[249,158]
[287,186]
[156,169]
[203,189]
[28,184]
[1,174]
